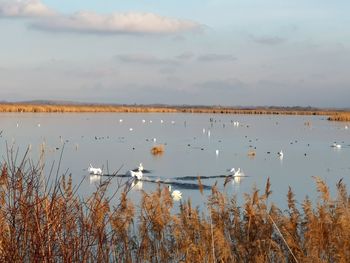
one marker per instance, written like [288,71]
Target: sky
[198,52]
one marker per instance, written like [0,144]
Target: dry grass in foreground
[50,223]
[80,108]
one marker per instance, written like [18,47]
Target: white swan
[137,175]
[235,176]
[94,171]
[176,194]
[335,145]
[280,154]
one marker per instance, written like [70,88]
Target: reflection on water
[193,145]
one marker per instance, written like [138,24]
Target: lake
[194,145]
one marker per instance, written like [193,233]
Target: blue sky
[216,52]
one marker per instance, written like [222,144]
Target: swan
[94,171]
[137,175]
[280,154]
[335,145]
[235,176]
[176,194]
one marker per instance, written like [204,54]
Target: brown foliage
[61,108]
[158,149]
[41,223]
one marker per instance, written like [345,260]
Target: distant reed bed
[49,222]
[340,117]
[71,108]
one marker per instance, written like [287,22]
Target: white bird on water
[280,154]
[335,145]
[176,194]
[137,173]
[235,176]
[94,171]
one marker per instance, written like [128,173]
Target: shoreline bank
[334,115]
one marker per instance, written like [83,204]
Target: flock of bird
[137,174]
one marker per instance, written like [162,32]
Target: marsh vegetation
[336,115]
[47,221]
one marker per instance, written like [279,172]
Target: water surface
[191,143]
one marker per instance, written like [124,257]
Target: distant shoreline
[334,115]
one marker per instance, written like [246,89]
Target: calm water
[189,150]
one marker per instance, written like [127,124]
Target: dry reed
[50,222]
[158,149]
[335,115]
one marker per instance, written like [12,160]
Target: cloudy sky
[216,52]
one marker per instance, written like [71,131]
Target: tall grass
[49,222]
[340,117]
[79,108]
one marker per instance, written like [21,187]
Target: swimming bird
[140,168]
[136,174]
[120,120]
[280,154]
[234,176]
[176,194]
[94,171]
[217,152]
[335,145]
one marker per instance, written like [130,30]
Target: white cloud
[117,23]
[24,8]
[91,22]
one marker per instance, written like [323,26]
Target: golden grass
[158,149]
[48,108]
[251,153]
[49,223]
[340,117]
